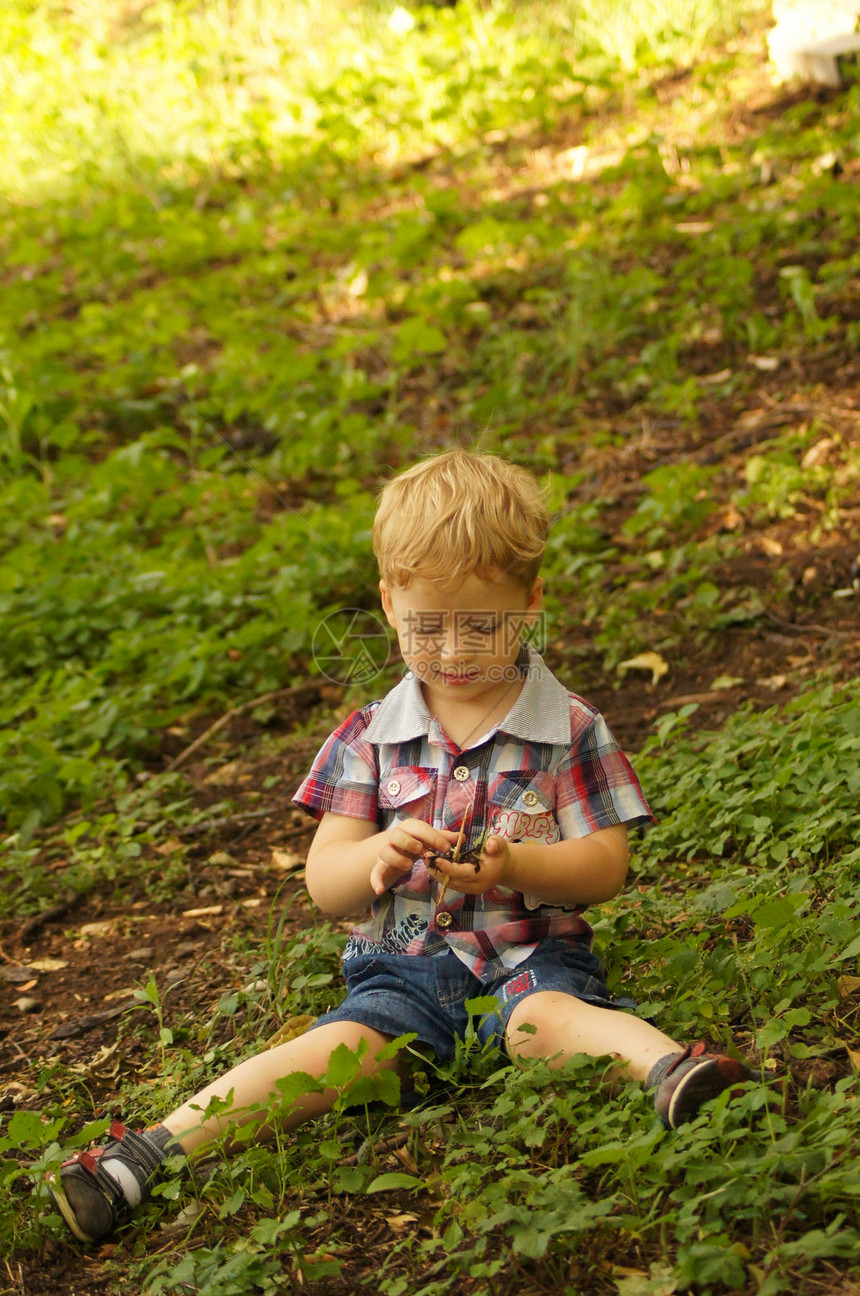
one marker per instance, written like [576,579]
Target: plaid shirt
[549,771]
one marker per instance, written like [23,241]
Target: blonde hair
[461,514]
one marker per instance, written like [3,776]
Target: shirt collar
[403,715]
[541,713]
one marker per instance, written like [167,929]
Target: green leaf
[775,913]
[268,1231]
[417,336]
[771,1033]
[232,1204]
[91,1131]
[27,1128]
[610,1154]
[384,1087]
[343,1067]
[296,1084]
[349,1179]
[482,1005]
[850,951]
[393,1179]
[263,1197]
[395,1046]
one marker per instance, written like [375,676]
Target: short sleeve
[343,778]
[596,786]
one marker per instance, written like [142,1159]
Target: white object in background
[810,35]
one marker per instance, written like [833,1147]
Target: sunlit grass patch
[196,393]
[256,256]
[154,95]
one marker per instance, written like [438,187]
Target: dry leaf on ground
[647,661]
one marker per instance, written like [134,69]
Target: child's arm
[578,871]
[350,863]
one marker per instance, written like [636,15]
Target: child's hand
[400,847]
[494,869]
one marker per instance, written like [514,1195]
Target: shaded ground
[79,964]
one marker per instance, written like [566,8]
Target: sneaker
[96,1191]
[692,1079]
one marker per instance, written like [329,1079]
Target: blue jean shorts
[426,994]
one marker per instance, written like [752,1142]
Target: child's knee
[533,1026]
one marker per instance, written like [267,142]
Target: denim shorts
[426,994]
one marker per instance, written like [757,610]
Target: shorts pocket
[362,968]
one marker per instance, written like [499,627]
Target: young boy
[479,736]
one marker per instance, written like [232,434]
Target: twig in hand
[455,854]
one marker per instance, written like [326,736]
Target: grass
[178,354]
[255,255]
[173,92]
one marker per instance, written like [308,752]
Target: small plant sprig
[472,853]
[150,998]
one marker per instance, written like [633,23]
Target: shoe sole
[55,1188]
[700,1084]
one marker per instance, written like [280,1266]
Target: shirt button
[443,920]
[393,787]
[529,798]
[461,773]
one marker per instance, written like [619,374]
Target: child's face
[462,640]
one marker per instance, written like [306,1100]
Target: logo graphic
[474,631]
[351,646]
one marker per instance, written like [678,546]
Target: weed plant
[742,929]
[206,350]
[255,255]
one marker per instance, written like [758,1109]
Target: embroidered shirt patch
[518,985]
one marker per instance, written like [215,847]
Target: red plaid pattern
[551,770]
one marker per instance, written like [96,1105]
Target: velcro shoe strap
[691,1051]
[111,1189]
[138,1151]
[682,1057]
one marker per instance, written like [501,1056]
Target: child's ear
[387,605]
[535,600]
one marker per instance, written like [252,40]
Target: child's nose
[453,648]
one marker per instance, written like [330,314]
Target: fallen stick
[296,690]
[37,922]
[71,1029]
[199,830]
[369,1148]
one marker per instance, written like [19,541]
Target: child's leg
[97,1190]
[254,1084]
[563,1025]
